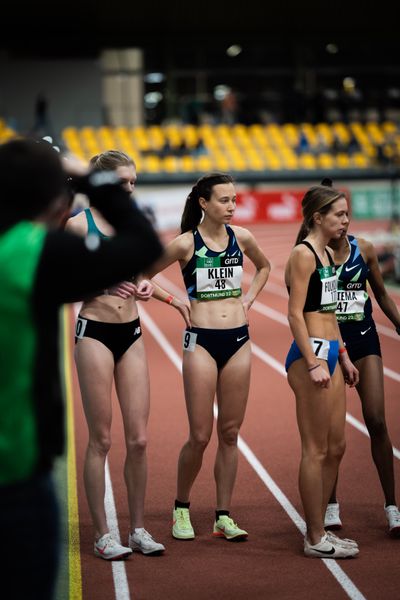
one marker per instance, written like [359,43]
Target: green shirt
[20,249]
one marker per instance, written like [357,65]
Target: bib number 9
[189,341]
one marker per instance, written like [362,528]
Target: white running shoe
[142,541]
[328,549]
[109,549]
[345,542]
[393,517]
[332,517]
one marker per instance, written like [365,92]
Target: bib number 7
[320,347]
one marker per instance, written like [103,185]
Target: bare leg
[371,392]
[318,466]
[95,366]
[336,439]
[200,381]
[233,390]
[132,386]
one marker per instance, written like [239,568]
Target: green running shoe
[227,528]
[181,526]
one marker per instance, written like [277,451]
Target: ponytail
[302,234]
[192,212]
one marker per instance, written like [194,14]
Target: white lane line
[267,358]
[344,581]
[118,566]
[280,290]
[270,360]
[281,318]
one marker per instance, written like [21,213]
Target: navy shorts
[221,344]
[360,338]
[332,353]
[117,337]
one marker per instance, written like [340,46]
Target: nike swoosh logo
[347,269]
[240,339]
[331,551]
[364,332]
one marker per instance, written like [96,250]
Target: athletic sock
[220,513]
[179,504]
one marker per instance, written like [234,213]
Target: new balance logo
[137,331]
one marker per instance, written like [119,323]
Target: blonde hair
[110,160]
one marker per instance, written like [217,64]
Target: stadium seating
[255,148]
[180,148]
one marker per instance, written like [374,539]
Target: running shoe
[142,541]
[227,528]
[332,518]
[109,549]
[181,526]
[393,517]
[346,542]
[328,549]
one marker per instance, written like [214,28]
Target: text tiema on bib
[351,301]
[218,277]
[328,279]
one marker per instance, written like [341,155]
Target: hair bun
[327,182]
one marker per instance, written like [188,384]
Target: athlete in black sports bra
[216,347]
[109,348]
[312,363]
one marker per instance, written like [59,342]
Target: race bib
[218,277]
[320,347]
[189,341]
[351,303]
[328,279]
[80,327]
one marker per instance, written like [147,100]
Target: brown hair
[192,212]
[318,198]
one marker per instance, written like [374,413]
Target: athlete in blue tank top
[357,266]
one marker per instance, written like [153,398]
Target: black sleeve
[72,268]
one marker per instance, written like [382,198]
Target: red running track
[266,500]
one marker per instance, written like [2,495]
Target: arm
[377,284]
[180,250]
[350,372]
[177,250]
[71,268]
[300,267]
[263,267]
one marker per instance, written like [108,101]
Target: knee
[376,426]
[199,440]
[229,436]
[136,446]
[336,450]
[100,445]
